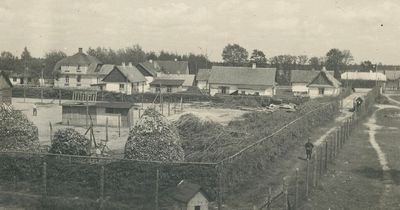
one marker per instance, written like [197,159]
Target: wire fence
[245,180]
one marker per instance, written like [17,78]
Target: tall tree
[50,60]
[8,61]
[366,66]
[302,59]
[315,63]
[235,55]
[334,61]
[258,57]
[26,57]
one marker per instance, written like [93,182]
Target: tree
[258,57]
[315,63]
[347,57]
[302,59]
[284,64]
[50,60]
[26,56]
[8,60]
[334,61]
[366,66]
[235,55]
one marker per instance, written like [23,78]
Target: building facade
[324,84]
[125,79]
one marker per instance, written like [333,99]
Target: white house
[324,84]
[242,80]
[166,85]
[188,79]
[363,79]
[125,79]
[300,79]
[79,71]
[186,196]
[202,77]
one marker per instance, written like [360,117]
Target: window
[321,91]
[78,78]
[169,90]
[158,89]
[224,90]
[67,79]
[121,86]
[243,92]
[197,208]
[14,79]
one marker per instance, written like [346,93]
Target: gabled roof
[105,69]
[185,191]
[6,81]
[166,67]
[242,76]
[329,79]
[81,59]
[131,74]
[371,76]
[166,82]
[303,76]
[188,78]
[203,74]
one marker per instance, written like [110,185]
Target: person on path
[309,147]
[34,110]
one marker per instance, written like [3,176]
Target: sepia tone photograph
[200,105]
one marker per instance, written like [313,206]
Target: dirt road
[366,174]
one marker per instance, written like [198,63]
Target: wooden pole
[24,93]
[106,129]
[315,168]
[44,178]
[269,198]
[321,163]
[181,104]
[51,133]
[285,193]
[139,112]
[41,94]
[59,96]
[296,197]
[326,156]
[119,126]
[219,179]
[307,176]
[102,183]
[157,186]
[169,108]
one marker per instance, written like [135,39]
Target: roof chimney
[123,64]
[130,64]
[254,66]
[80,50]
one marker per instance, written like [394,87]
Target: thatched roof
[166,67]
[242,76]
[203,74]
[324,79]
[302,76]
[167,82]
[81,59]
[369,76]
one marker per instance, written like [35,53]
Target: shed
[78,113]
[5,88]
[166,85]
[186,196]
[300,79]
[324,84]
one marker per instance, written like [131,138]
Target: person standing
[34,110]
[309,147]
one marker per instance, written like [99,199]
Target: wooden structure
[324,84]
[186,196]
[5,89]
[84,96]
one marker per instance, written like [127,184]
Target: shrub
[16,131]
[154,138]
[70,142]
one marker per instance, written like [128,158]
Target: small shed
[166,85]
[79,113]
[324,84]
[5,89]
[300,79]
[186,196]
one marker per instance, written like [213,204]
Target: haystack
[70,142]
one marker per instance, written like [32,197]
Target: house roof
[203,74]
[131,73]
[391,74]
[372,76]
[302,76]
[105,69]
[329,79]
[6,79]
[185,191]
[79,58]
[242,76]
[115,105]
[188,78]
[167,67]
[167,82]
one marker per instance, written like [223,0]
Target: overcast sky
[370,29]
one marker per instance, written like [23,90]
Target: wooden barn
[5,89]
[80,113]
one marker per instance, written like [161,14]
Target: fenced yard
[106,183]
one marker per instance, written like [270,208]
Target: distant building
[242,80]
[27,78]
[300,79]
[392,79]
[324,84]
[202,77]
[166,85]
[5,89]
[125,79]
[74,113]
[188,79]
[185,196]
[79,71]
[363,79]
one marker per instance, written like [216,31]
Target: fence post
[44,178]
[219,191]
[285,193]
[59,96]
[307,176]
[315,166]
[296,196]
[157,186]
[51,133]
[326,155]
[269,198]
[119,125]
[106,129]
[102,183]
[321,163]
[139,112]
[169,109]
[181,104]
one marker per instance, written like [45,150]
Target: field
[50,112]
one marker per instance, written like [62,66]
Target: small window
[197,207]
[78,78]
[169,90]
[121,86]
[321,91]
[14,79]
[158,89]
[67,79]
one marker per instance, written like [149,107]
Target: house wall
[17,81]
[266,91]
[128,89]
[149,79]
[202,84]
[198,200]
[328,91]
[392,85]
[86,81]
[299,88]
[163,89]
[5,96]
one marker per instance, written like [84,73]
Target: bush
[16,131]
[154,138]
[70,142]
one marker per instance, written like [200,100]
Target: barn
[80,113]
[324,84]
[185,196]
[5,89]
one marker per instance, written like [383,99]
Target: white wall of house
[198,200]
[149,79]
[299,88]
[74,69]
[154,89]
[314,92]
[85,81]
[125,87]
[202,84]
[17,81]
[216,88]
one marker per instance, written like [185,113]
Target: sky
[370,29]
